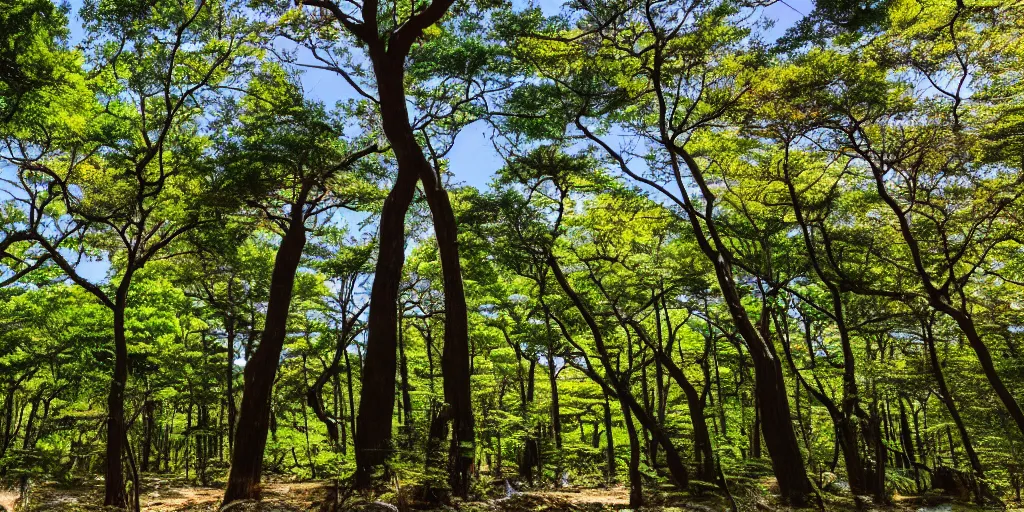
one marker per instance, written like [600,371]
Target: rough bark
[377,398]
[114,494]
[261,369]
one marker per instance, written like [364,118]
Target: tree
[296,167]
[124,193]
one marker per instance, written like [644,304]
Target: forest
[697,258]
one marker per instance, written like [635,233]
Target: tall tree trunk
[455,359]
[403,372]
[261,369]
[843,422]
[966,324]
[609,440]
[636,484]
[113,489]
[618,387]
[147,438]
[947,400]
[771,397]
[351,396]
[556,413]
[377,398]
[769,382]
[844,415]
[229,376]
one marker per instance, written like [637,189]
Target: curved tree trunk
[636,484]
[947,400]
[701,435]
[315,402]
[771,397]
[373,438]
[261,369]
[455,359]
[621,389]
[843,417]
[377,397]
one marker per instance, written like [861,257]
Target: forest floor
[169,495]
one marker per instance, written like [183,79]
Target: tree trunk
[621,389]
[377,398]
[556,413]
[313,395]
[114,492]
[404,374]
[351,397]
[947,399]
[229,375]
[609,440]
[455,360]
[261,369]
[636,484]
[966,324]
[147,439]
[771,398]
[701,435]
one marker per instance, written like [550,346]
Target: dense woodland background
[715,266]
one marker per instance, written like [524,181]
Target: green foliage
[674,192]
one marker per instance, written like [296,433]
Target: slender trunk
[377,398]
[351,395]
[147,438]
[620,388]
[556,419]
[947,400]
[114,494]
[404,374]
[313,395]
[261,369]
[609,440]
[661,390]
[305,418]
[229,376]
[12,388]
[940,299]
[532,379]
[966,324]
[701,435]
[843,422]
[769,382]
[456,359]
[636,485]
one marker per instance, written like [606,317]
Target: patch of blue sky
[473,160]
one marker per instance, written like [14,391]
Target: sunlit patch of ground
[159,495]
[173,495]
[610,497]
[7,500]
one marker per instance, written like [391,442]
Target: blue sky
[472,160]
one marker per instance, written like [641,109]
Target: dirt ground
[175,496]
[169,495]
[158,496]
